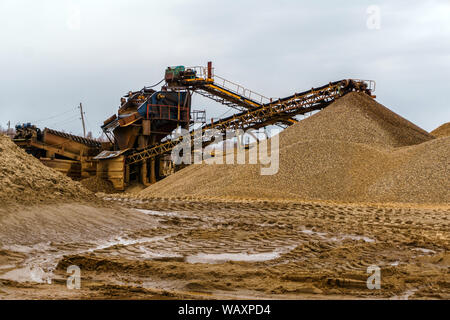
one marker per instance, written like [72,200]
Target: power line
[91,127]
[67,120]
[225,113]
[55,116]
[154,84]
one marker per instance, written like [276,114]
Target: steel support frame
[311,100]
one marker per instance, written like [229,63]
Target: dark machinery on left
[69,154]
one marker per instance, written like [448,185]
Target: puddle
[160,256]
[28,274]
[352,237]
[314,233]
[38,247]
[405,295]
[244,256]
[7,266]
[323,235]
[43,261]
[159,213]
[150,254]
[424,250]
[125,242]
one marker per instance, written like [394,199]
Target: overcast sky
[56,54]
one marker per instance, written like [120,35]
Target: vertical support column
[144,173]
[127,174]
[99,171]
[146,127]
[209,69]
[152,170]
[152,164]
[142,143]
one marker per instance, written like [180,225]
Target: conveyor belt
[267,114]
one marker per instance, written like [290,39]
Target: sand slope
[24,179]
[96,184]
[356,150]
[357,118]
[419,173]
[442,131]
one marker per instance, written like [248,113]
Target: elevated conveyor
[203,81]
[269,113]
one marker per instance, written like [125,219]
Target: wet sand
[200,249]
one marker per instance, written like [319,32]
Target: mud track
[210,249]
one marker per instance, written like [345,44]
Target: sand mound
[416,174]
[357,118]
[442,131]
[314,169]
[356,150]
[96,184]
[24,179]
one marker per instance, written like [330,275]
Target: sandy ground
[192,249]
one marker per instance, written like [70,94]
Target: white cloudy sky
[52,58]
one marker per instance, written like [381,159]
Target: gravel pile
[25,180]
[96,184]
[357,118]
[418,174]
[442,131]
[355,150]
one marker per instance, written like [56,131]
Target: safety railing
[167,112]
[202,73]
[198,116]
[240,90]
[371,84]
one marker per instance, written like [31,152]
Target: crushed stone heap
[355,150]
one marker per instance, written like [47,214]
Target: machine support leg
[127,175]
[143,142]
[144,173]
[153,165]
[152,170]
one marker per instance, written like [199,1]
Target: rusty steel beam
[299,103]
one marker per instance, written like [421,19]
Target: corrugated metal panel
[109,154]
[85,141]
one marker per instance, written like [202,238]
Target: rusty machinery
[139,132]
[69,154]
[144,118]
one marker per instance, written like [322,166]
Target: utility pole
[9,125]
[82,120]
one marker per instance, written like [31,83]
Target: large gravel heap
[25,180]
[442,131]
[355,150]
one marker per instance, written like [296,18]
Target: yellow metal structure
[276,111]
